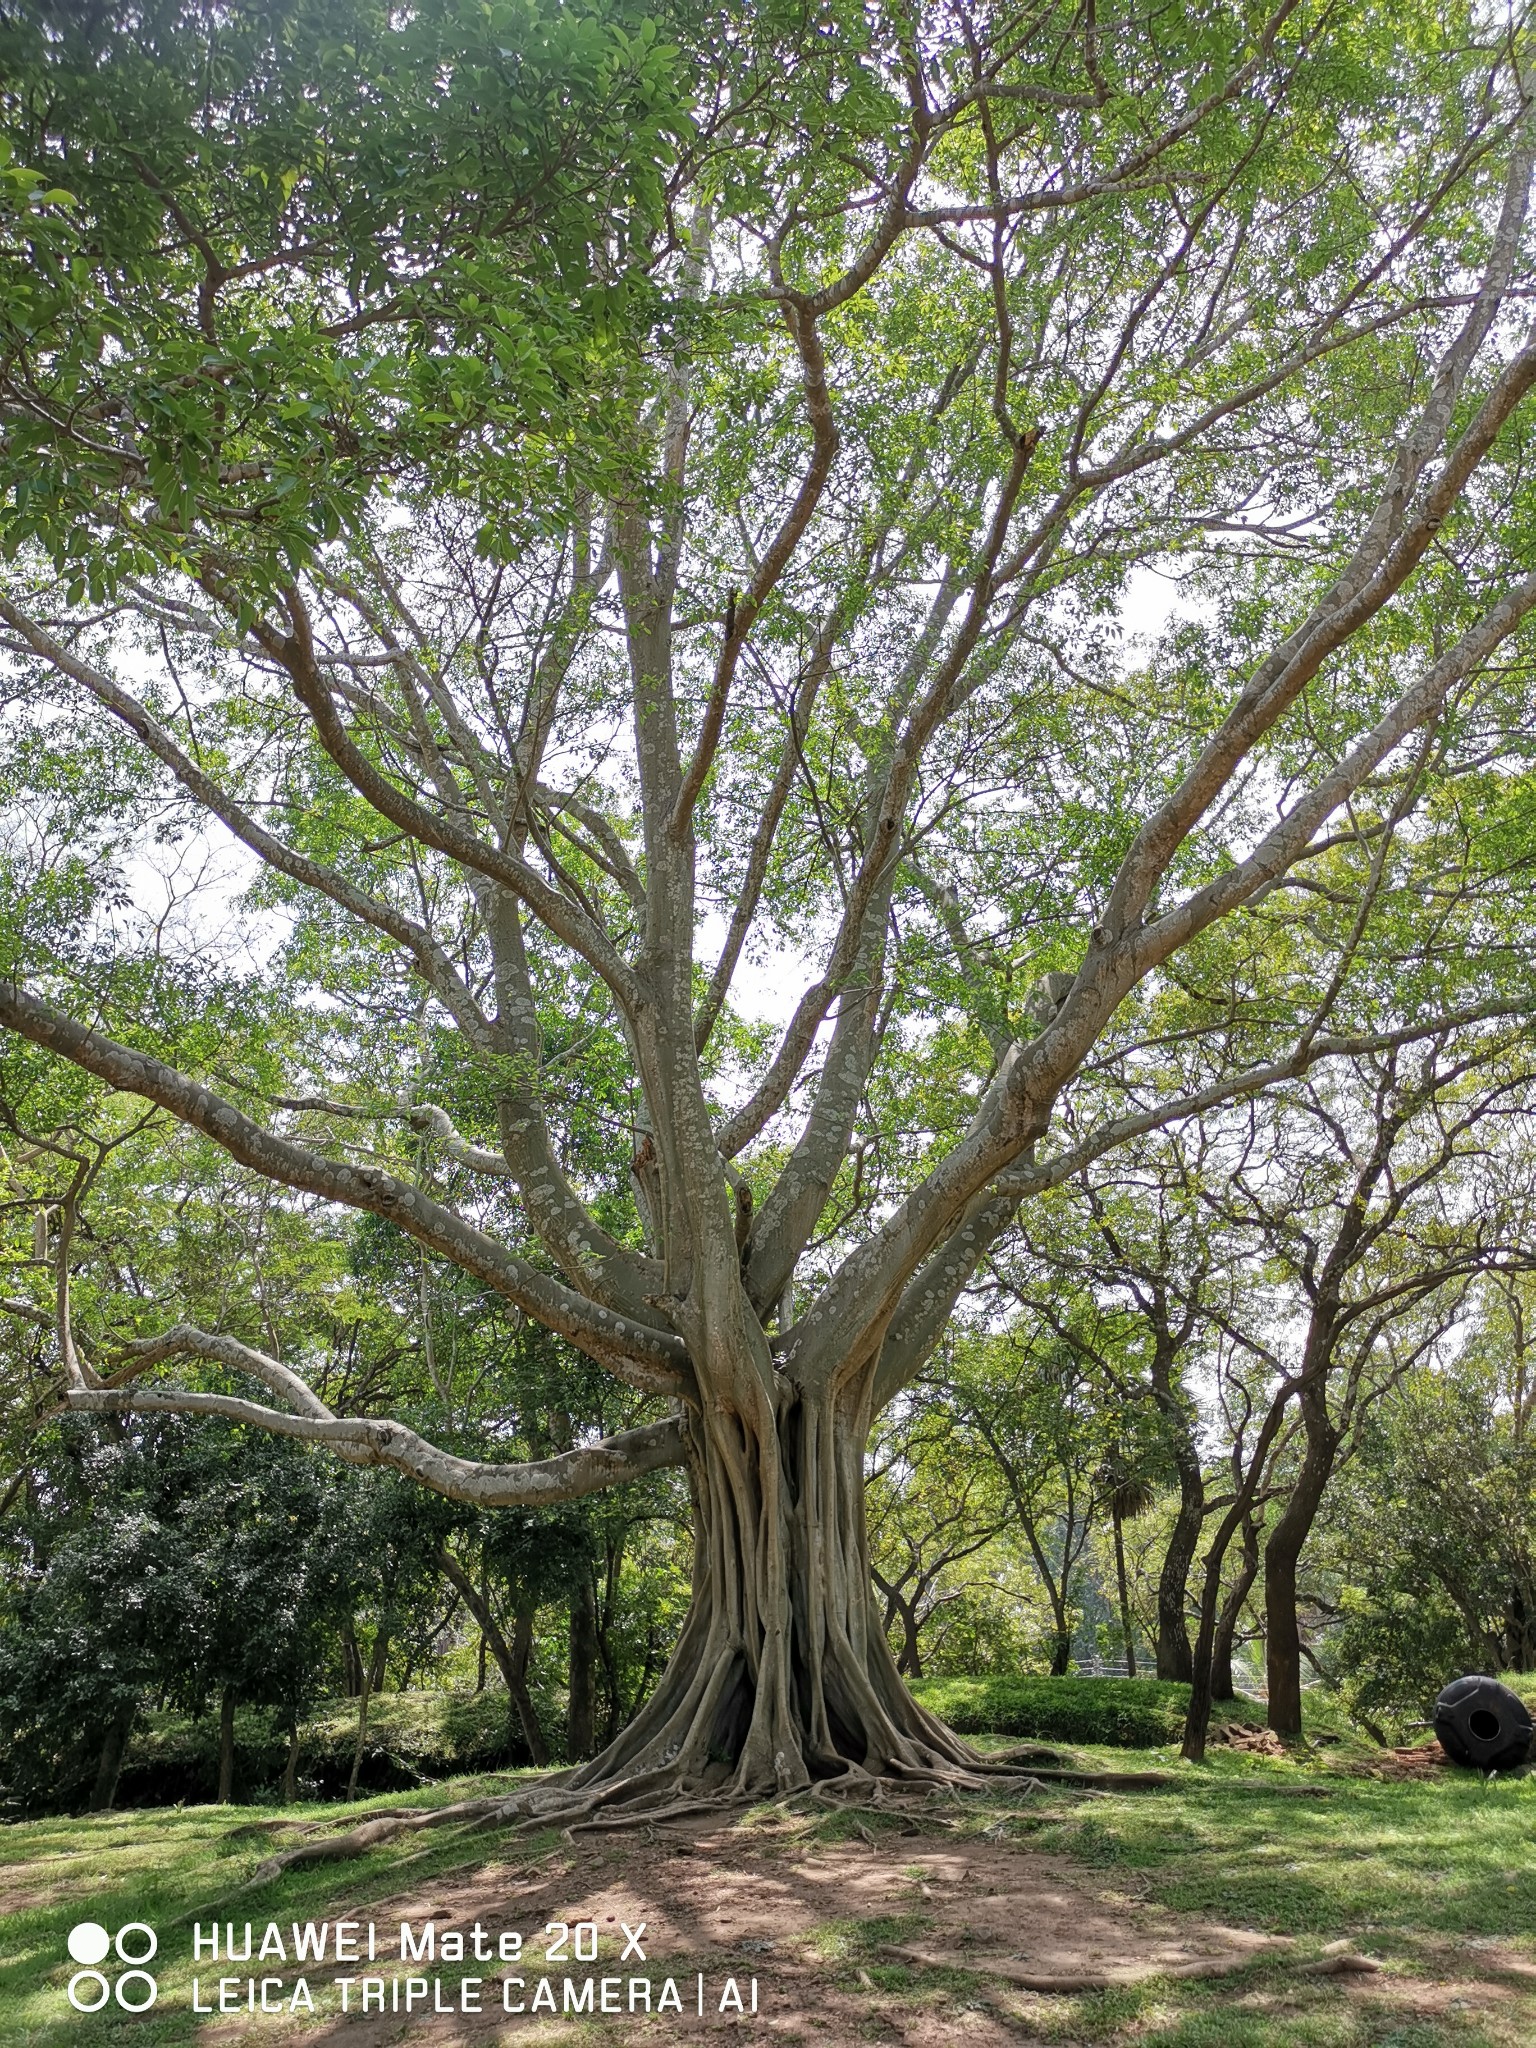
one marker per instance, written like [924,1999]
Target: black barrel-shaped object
[1483,1724]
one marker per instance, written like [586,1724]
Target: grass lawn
[1436,1880]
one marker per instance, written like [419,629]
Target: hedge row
[1124,1713]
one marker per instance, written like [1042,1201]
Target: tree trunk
[910,1662]
[1061,1641]
[351,1661]
[581,1707]
[109,1769]
[512,1659]
[1173,1650]
[373,1674]
[517,1685]
[1282,1556]
[290,1788]
[613,1691]
[227,1745]
[1202,1689]
[1197,1720]
[783,1675]
[1222,1686]
[1520,1628]
[1127,1633]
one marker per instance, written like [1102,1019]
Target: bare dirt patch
[819,1925]
[1420,1760]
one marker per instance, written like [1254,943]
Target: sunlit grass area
[165,1867]
[1435,1880]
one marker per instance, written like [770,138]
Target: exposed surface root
[947,1876]
[647,1798]
[680,1809]
[368,1834]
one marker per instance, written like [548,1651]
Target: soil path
[816,1924]
[809,1921]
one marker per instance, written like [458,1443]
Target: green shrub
[1125,1713]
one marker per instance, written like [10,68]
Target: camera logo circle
[90,1944]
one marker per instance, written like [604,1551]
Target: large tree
[577,627]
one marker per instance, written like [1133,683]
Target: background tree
[1135,1274]
[1426,1545]
[160,1561]
[933,1506]
[1028,1405]
[1377,1215]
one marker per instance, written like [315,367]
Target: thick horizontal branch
[362,1440]
[651,1359]
[427,1118]
[185,1340]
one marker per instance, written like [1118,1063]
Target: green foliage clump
[1123,1713]
[181,1562]
[1428,1546]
